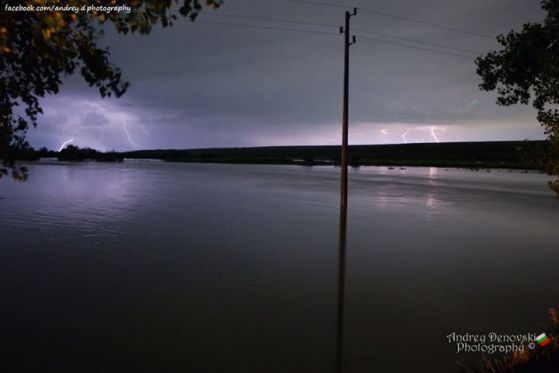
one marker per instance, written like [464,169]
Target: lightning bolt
[65,143]
[404,135]
[125,126]
[434,134]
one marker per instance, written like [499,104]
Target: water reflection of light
[432,203]
[97,190]
[382,200]
[433,172]
[416,191]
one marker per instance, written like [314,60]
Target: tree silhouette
[38,48]
[527,70]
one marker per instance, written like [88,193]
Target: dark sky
[208,85]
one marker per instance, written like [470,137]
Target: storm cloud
[204,84]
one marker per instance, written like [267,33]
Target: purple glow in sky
[207,85]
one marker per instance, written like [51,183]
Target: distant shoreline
[523,155]
[380,163]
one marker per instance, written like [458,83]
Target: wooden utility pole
[343,194]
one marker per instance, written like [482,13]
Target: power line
[416,47]
[322,4]
[429,24]
[273,28]
[268,28]
[258,18]
[402,18]
[418,41]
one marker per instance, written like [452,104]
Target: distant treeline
[505,154]
[71,153]
[495,154]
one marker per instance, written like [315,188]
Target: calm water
[153,267]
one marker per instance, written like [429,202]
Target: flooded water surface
[156,267]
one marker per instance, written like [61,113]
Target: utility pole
[343,194]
